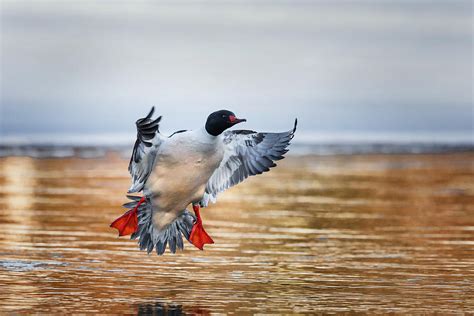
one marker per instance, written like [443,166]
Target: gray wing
[144,151]
[246,153]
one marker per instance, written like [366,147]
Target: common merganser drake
[190,167]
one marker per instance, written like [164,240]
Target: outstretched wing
[247,153]
[144,151]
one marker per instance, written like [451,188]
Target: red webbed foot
[127,224]
[199,237]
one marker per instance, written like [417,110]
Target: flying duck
[190,167]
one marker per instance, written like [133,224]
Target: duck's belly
[178,180]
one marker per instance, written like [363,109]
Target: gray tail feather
[150,237]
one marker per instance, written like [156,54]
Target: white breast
[182,168]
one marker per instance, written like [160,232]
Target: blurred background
[347,69]
[372,211]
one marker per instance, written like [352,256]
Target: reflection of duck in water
[190,167]
[159,308]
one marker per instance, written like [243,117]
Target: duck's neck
[204,135]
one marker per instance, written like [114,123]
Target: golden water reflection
[368,233]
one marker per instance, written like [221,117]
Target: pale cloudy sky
[371,66]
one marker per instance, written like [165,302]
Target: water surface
[364,233]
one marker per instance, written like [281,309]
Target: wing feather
[144,151]
[246,153]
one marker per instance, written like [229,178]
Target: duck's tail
[150,237]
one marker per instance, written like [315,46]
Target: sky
[339,66]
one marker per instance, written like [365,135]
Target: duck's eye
[223,115]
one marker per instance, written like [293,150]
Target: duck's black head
[219,121]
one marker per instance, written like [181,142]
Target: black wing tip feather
[146,130]
[152,110]
[294,127]
[147,127]
[149,115]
